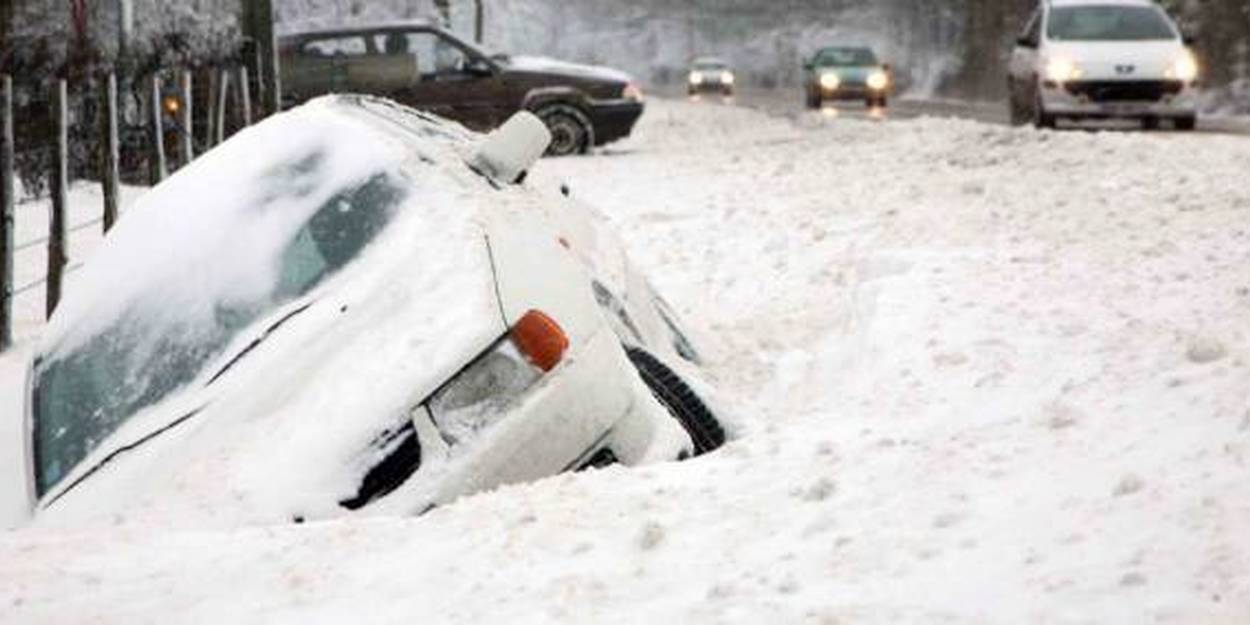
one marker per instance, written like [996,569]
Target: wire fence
[107,129]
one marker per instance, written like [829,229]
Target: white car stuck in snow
[1098,59]
[351,306]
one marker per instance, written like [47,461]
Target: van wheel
[1016,112]
[571,132]
[1042,119]
[705,431]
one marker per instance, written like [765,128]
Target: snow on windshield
[251,226]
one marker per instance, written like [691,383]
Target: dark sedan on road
[846,73]
[426,67]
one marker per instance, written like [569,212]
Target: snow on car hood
[545,64]
[274,419]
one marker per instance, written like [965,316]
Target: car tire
[676,396]
[571,131]
[1042,119]
[1186,123]
[1150,123]
[1015,111]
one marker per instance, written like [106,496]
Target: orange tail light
[541,339]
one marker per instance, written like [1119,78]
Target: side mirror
[887,68]
[807,65]
[1189,40]
[479,67]
[1025,42]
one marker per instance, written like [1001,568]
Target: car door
[428,70]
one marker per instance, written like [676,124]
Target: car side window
[335,47]
[433,56]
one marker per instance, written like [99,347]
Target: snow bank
[994,375]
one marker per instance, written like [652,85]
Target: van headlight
[727,78]
[696,78]
[878,80]
[481,394]
[1061,70]
[830,81]
[1184,69]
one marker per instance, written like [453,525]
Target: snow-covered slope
[988,375]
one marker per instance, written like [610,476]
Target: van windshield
[1109,23]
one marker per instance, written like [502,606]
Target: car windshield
[1109,23]
[710,66]
[156,344]
[845,57]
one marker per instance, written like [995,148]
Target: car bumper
[849,92]
[1058,100]
[711,87]
[614,119]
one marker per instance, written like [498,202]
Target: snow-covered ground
[989,375]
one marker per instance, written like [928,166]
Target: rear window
[1109,23]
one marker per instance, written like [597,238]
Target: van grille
[1124,90]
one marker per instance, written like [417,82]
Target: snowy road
[987,374]
[788,103]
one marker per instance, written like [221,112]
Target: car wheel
[705,431]
[1042,119]
[1188,122]
[1150,123]
[570,129]
[1015,111]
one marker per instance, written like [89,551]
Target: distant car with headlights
[847,73]
[351,307]
[711,75]
[423,66]
[1100,59]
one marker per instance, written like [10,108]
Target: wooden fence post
[60,191]
[222,95]
[245,97]
[109,161]
[187,132]
[157,131]
[210,106]
[6,212]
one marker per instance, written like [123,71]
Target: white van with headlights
[351,308]
[1103,59]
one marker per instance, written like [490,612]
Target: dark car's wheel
[570,129]
[705,431]
[1189,122]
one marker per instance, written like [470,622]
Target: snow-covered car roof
[246,238]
